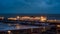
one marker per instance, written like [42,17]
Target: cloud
[29,6]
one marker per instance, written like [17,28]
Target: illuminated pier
[28,18]
[33,21]
[43,18]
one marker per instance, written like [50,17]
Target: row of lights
[41,18]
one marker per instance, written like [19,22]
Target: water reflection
[18,26]
[15,27]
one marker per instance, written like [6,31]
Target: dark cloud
[29,6]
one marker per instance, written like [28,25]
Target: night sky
[30,6]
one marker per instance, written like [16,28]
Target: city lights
[12,19]
[43,19]
[28,18]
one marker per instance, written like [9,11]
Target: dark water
[5,27]
[18,28]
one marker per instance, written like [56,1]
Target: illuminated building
[25,18]
[43,18]
[11,18]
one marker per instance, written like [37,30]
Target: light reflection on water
[15,27]
[4,27]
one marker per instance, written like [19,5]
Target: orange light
[11,18]
[43,19]
[25,18]
[58,25]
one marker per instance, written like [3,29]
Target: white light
[18,17]
[43,19]
[9,31]
[58,25]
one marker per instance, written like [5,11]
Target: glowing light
[58,25]
[9,32]
[18,17]
[25,18]
[37,18]
[53,20]
[17,26]
[43,19]
[11,18]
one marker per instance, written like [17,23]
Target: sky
[30,6]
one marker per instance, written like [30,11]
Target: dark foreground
[25,29]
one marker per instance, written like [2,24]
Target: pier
[32,24]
